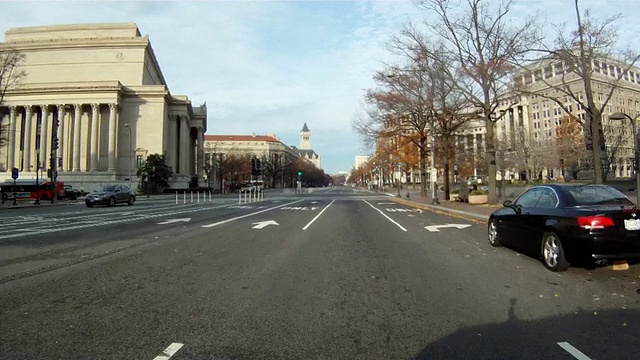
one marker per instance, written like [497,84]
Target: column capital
[45,108]
[95,107]
[29,109]
[77,107]
[113,106]
[13,110]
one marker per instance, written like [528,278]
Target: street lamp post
[623,116]
[130,153]
[433,172]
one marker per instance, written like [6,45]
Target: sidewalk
[478,212]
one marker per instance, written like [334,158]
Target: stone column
[184,144]
[200,158]
[113,132]
[27,138]
[172,154]
[77,120]
[12,138]
[95,125]
[61,138]
[44,136]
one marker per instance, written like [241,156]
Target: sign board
[14,173]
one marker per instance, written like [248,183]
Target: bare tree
[573,58]
[478,51]
[11,74]
[402,107]
[273,166]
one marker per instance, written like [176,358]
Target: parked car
[71,193]
[110,195]
[566,224]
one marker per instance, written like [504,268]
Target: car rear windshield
[109,188]
[597,195]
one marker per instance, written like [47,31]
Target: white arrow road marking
[263,224]
[170,221]
[127,213]
[434,228]
[169,351]
[386,203]
[247,215]
[314,202]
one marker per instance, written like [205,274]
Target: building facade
[546,122]
[268,148]
[102,84]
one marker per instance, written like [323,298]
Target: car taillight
[594,222]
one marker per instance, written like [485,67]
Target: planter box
[453,197]
[478,199]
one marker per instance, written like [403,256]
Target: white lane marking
[573,351]
[170,221]
[169,351]
[385,215]
[317,216]
[247,215]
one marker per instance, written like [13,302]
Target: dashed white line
[385,215]
[573,351]
[169,351]
[317,216]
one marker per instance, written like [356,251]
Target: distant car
[110,195]
[250,187]
[71,193]
[565,224]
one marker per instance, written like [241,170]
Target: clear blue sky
[270,66]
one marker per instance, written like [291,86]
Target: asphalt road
[333,274]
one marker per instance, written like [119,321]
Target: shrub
[455,191]
[477,192]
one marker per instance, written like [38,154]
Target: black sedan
[569,223]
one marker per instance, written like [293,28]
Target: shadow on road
[606,334]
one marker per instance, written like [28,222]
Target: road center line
[317,216]
[247,215]
[385,215]
[573,351]
[169,351]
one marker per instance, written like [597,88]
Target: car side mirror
[507,203]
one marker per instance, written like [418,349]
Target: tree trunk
[423,170]
[446,180]
[491,160]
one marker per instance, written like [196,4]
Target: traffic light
[299,172]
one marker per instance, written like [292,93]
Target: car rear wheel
[132,200]
[89,205]
[552,253]
[112,201]
[494,238]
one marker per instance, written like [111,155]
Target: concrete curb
[443,209]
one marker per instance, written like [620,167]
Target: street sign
[435,228]
[14,173]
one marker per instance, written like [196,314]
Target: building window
[139,161]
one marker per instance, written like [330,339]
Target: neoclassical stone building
[102,82]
